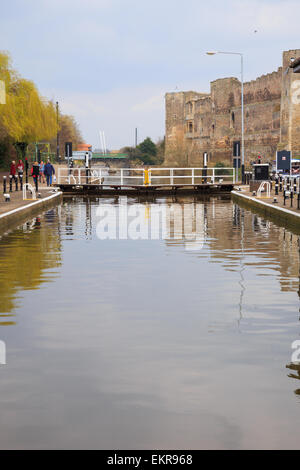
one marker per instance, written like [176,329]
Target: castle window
[190,126]
[232,119]
[189,107]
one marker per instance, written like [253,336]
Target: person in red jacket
[13,169]
[20,168]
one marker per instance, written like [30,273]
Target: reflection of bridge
[146,180]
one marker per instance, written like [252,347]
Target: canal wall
[279,215]
[16,217]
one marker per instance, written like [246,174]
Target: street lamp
[57,131]
[242,100]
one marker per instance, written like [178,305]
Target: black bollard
[291,196]
[21,182]
[280,183]
[10,183]
[4,184]
[298,201]
[16,182]
[284,197]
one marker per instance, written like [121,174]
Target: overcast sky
[110,62]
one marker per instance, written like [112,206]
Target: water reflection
[173,342]
[27,257]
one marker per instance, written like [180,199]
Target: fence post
[146,177]
[4,184]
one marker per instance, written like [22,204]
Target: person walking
[20,169]
[49,171]
[13,170]
[42,174]
[35,171]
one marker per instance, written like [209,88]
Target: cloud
[118,113]
[111,61]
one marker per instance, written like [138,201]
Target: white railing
[31,189]
[129,177]
[190,176]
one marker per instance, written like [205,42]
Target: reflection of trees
[296,368]
[25,254]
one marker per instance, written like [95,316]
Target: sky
[109,63]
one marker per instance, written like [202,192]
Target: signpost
[284,161]
[68,152]
[237,158]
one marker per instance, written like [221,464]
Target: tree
[147,147]
[147,152]
[26,117]
[68,132]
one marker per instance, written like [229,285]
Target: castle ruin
[211,122]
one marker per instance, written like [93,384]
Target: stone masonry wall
[198,122]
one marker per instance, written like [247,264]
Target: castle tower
[290,103]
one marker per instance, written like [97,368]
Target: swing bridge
[140,180]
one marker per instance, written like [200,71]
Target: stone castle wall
[199,122]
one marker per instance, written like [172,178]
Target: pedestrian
[35,171]
[42,175]
[49,171]
[20,169]
[13,170]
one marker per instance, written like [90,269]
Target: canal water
[148,325]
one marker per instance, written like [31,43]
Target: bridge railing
[101,176]
[145,177]
[190,176]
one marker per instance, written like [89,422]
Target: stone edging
[268,208]
[21,214]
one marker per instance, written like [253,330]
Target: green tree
[147,147]
[68,132]
[27,117]
[147,152]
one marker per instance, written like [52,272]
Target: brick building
[211,122]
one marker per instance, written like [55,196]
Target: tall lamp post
[57,131]
[242,100]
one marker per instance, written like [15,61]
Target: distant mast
[102,142]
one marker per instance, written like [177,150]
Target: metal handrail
[104,177]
